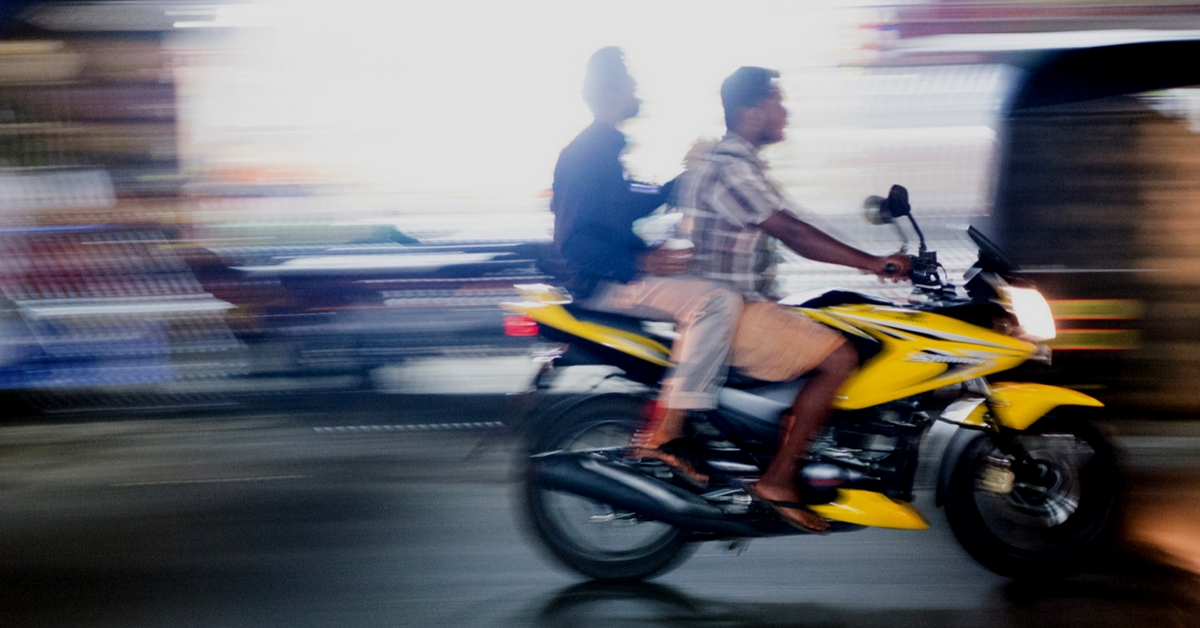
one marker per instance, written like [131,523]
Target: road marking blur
[414,427]
[260,478]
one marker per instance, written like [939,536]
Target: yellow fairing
[921,351]
[868,508]
[1018,406]
[554,315]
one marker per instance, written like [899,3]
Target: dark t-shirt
[594,208]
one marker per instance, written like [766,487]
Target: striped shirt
[723,199]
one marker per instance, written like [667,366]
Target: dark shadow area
[1132,593]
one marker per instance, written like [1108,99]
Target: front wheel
[592,538]
[1044,520]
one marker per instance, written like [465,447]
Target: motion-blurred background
[194,194]
[229,208]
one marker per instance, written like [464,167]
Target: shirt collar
[735,145]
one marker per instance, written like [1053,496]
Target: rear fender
[1016,406]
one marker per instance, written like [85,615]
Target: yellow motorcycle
[1028,482]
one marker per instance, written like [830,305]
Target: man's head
[754,105]
[608,89]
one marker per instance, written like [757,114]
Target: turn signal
[520,326]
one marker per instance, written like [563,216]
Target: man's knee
[723,302]
[842,362]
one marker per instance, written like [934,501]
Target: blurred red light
[520,326]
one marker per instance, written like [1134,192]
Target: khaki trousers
[705,314]
[777,344]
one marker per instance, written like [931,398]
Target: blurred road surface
[269,521]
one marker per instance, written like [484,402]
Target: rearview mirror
[883,211]
[873,210]
[896,202]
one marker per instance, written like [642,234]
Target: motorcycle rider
[612,270]
[734,215]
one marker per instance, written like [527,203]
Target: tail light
[520,326]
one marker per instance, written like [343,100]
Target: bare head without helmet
[608,88]
[753,105]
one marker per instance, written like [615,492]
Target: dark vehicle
[1098,201]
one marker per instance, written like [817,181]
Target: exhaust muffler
[649,498]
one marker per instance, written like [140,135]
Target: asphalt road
[269,521]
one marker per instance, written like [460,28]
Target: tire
[624,548]
[1044,529]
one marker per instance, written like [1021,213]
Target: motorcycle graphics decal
[927,324]
[921,352]
[939,358]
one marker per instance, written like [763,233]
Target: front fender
[1016,406]
[1019,405]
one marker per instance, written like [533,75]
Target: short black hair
[606,73]
[748,86]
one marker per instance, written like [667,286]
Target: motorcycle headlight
[1032,312]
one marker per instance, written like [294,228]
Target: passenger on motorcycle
[612,270]
[734,214]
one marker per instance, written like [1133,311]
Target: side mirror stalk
[920,236]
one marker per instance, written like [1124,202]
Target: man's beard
[767,136]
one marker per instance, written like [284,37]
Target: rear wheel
[1044,521]
[592,538]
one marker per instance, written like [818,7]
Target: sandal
[679,455]
[781,507]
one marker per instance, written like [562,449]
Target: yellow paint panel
[912,362]
[867,508]
[1096,309]
[559,318]
[1020,405]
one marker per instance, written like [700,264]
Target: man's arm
[751,198]
[819,246]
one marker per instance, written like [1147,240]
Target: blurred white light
[470,98]
[1032,312]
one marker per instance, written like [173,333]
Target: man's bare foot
[680,466]
[786,504]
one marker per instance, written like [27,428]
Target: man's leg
[775,343]
[706,315]
[809,412]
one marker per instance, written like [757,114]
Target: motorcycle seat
[741,381]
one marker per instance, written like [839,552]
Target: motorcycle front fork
[1017,466]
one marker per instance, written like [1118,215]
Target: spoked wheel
[1041,520]
[596,539]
